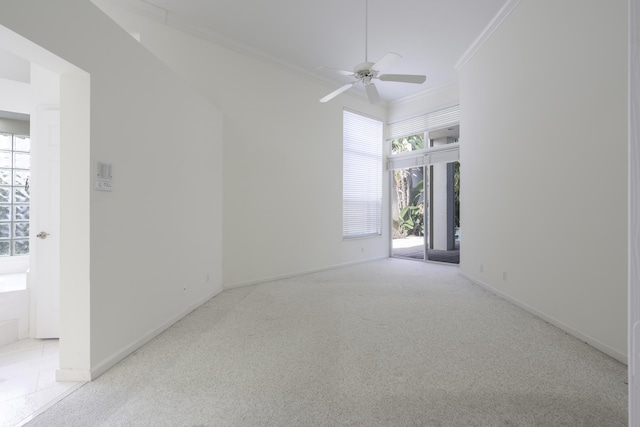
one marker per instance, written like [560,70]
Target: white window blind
[426,122]
[361,176]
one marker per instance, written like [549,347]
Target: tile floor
[27,380]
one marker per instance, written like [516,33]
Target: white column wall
[282,156]
[544,165]
[441,220]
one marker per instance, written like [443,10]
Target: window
[14,194]
[411,139]
[435,120]
[407,143]
[361,176]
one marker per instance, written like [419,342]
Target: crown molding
[427,93]
[486,33]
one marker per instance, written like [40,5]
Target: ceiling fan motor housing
[364,72]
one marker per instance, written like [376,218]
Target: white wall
[16,96]
[14,316]
[19,127]
[13,67]
[544,164]
[634,211]
[160,229]
[282,156]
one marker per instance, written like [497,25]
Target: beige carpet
[389,343]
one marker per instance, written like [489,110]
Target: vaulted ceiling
[431,35]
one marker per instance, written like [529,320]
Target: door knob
[42,235]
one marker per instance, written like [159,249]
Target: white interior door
[44,265]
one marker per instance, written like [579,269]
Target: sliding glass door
[425,197]
[425,213]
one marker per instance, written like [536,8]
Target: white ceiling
[431,35]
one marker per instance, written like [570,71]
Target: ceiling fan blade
[372,93]
[337,92]
[336,71]
[386,61]
[403,78]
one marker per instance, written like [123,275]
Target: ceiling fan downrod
[366,29]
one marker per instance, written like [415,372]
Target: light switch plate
[104,178]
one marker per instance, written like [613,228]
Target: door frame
[426,157]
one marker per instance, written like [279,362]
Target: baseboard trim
[111,361]
[606,349]
[301,273]
[73,375]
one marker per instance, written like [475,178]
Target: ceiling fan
[367,71]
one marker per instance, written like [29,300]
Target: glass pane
[21,212]
[5,213]
[5,176]
[444,214]
[5,248]
[5,141]
[20,247]
[20,229]
[20,195]
[409,143]
[21,160]
[5,159]
[5,231]
[22,143]
[408,208]
[20,177]
[5,194]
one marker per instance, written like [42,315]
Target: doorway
[74,106]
